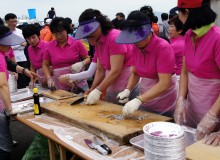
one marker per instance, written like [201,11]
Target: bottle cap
[35,90]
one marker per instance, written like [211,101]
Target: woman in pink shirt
[154,63]
[64,54]
[114,60]
[200,76]
[37,48]
[177,42]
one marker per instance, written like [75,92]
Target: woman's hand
[206,125]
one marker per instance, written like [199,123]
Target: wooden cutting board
[201,151]
[58,94]
[97,118]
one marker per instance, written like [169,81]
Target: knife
[104,146]
[95,146]
[80,100]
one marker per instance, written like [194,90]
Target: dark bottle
[37,108]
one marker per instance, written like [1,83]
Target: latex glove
[123,96]
[93,97]
[77,67]
[180,112]
[131,106]
[213,139]
[50,83]
[206,125]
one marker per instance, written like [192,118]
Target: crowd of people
[171,68]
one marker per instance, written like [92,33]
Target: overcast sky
[73,8]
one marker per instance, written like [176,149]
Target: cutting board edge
[92,129]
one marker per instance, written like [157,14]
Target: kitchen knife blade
[95,146]
[104,146]
[80,100]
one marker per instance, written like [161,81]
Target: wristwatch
[23,70]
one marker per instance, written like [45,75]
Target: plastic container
[12,82]
[32,13]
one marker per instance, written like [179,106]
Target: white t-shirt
[18,49]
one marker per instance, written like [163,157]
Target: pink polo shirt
[10,54]
[178,44]
[157,57]
[203,57]
[3,64]
[107,47]
[36,54]
[71,53]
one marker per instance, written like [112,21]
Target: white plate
[163,130]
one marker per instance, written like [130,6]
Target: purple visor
[86,28]
[10,39]
[129,37]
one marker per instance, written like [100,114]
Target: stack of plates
[163,141]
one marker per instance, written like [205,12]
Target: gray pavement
[24,136]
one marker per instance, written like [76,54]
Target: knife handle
[106,148]
[101,150]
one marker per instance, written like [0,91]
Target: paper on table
[75,138]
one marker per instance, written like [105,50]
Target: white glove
[123,96]
[50,83]
[131,106]
[93,97]
[77,67]
[11,112]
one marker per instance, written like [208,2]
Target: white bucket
[12,83]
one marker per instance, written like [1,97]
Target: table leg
[51,145]
[62,153]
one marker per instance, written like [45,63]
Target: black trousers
[23,80]
[4,155]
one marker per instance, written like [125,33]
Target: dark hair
[68,20]
[59,24]
[120,14]
[1,22]
[30,30]
[135,20]
[172,15]
[148,11]
[164,16]
[177,23]
[89,14]
[38,25]
[52,8]
[155,19]
[198,17]
[4,29]
[10,16]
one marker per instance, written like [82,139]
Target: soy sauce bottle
[37,108]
